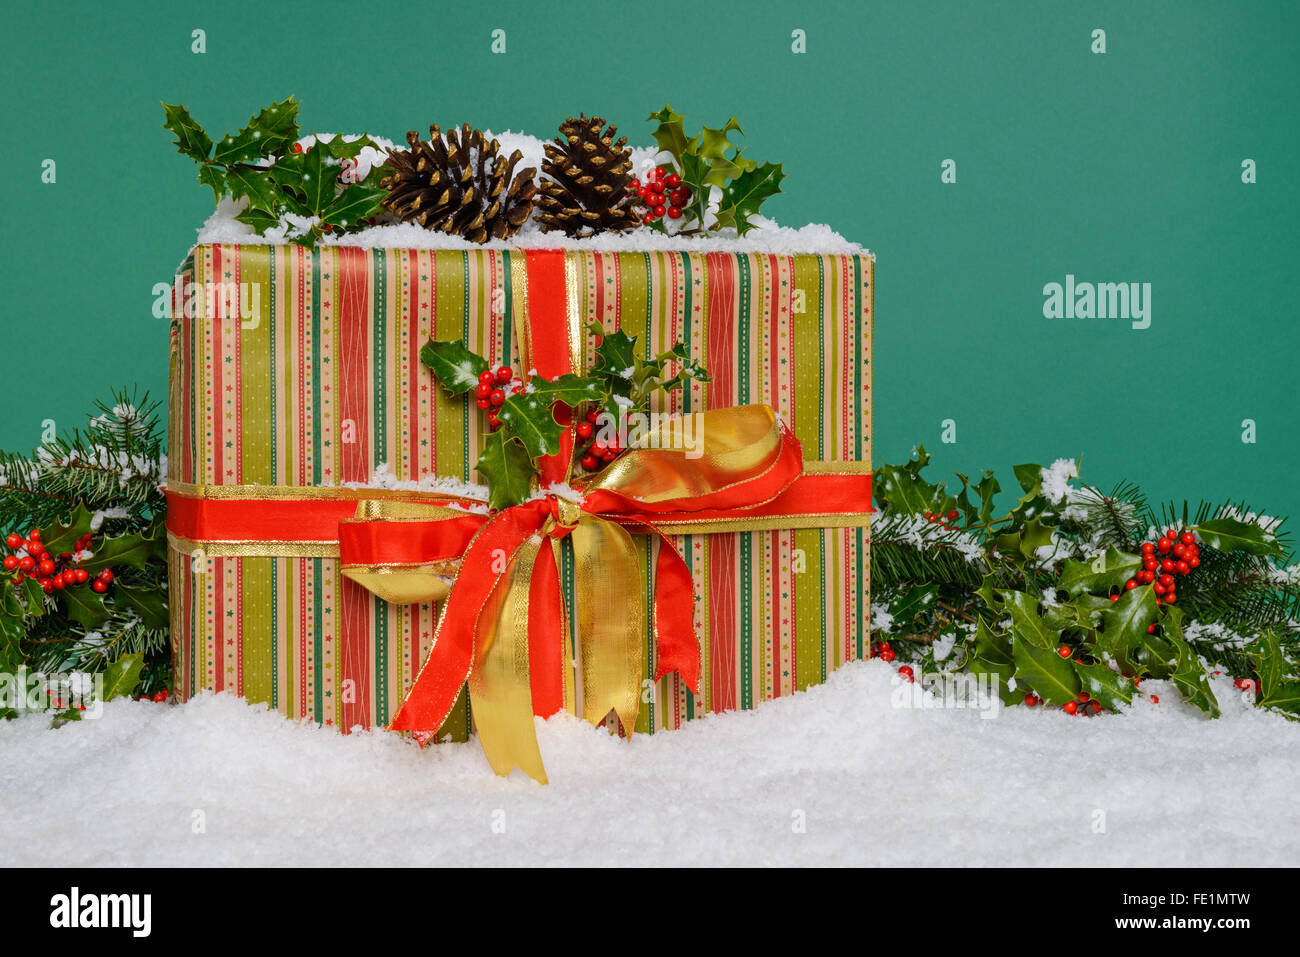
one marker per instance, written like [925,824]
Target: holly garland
[703,184]
[84,590]
[521,415]
[285,185]
[1076,596]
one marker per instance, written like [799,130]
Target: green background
[1124,166]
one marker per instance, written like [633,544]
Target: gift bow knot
[503,627]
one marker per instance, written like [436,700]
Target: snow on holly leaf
[457,368]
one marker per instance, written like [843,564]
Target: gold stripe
[287,549]
[772,524]
[309,492]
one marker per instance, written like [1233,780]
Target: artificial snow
[846,773]
[768,236]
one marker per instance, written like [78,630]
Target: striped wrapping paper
[300,366]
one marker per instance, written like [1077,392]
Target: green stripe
[857,408]
[317,635]
[381,662]
[743,387]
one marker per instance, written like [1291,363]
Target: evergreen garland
[1037,599]
[101,485]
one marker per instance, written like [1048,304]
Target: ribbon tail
[499,685]
[676,645]
[546,628]
[607,576]
[451,659]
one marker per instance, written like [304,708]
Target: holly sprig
[1057,605]
[263,164]
[710,160]
[521,415]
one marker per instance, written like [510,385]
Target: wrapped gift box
[298,367]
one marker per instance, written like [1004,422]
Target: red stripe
[355,359]
[415,370]
[355,648]
[549,343]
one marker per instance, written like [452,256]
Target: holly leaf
[670,134]
[1124,627]
[1232,535]
[149,605]
[63,538]
[1285,696]
[918,600]
[317,185]
[1109,689]
[259,219]
[83,606]
[742,196]
[190,140]
[1045,672]
[254,184]
[616,354]
[266,134]
[136,549]
[986,489]
[991,647]
[456,368]
[531,420]
[213,177]
[1107,571]
[122,676]
[354,205]
[508,469]
[35,597]
[1189,675]
[1027,625]
[902,490]
[568,388]
[1001,673]
[348,149]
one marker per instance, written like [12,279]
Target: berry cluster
[1173,554]
[597,453]
[662,194]
[53,572]
[490,393]
[936,518]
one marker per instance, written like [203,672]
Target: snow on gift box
[330,554]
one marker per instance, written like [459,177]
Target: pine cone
[459,185]
[590,176]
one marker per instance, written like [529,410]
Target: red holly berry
[1032,699]
[887,655]
[18,578]
[497,397]
[1151,629]
[80,575]
[1167,581]
[107,575]
[952,515]
[657,187]
[11,562]
[505,374]
[589,462]
[1130,584]
[1164,545]
[483,390]
[99,585]
[1151,563]
[1071,707]
[26,563]
[1063,651]
[59,582]
[1194,561]
[1168,565]
[1179,550]
[484,404]
[1155,699]
[643,191]
[1114,597]
[1188,538]
[672,181]
[1084,696]
[906,672]
[674,212]
[585,429]
[1148,548]
[659,210]
[47,586]
[486,377]
[34,534]
[593,416]
[648,218]
[1170,598]
[659,172]
[13,539]
[161,695]
[296,148]
[1159,588]
[1183,568]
